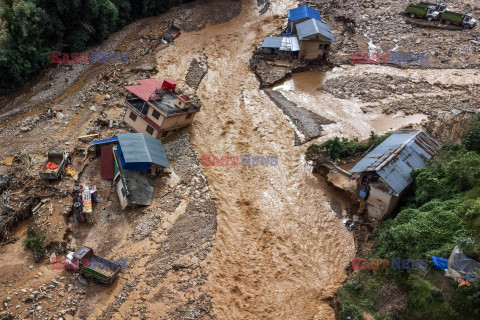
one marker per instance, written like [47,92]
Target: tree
[471,139]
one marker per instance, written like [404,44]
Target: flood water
[279,251]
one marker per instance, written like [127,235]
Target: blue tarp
[439,262]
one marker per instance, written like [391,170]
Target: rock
[25,129]
[24,291]
[93,108]
[18,306]
[418,41]
[107,97]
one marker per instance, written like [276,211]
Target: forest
[32,29]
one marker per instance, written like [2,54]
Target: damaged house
[283,47]
[130,160]
[307,37]
[136,158]
[384,174]
[156,109]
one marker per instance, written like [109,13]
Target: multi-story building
[156,109]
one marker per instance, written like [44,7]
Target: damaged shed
[384,174]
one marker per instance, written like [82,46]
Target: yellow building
[154,108]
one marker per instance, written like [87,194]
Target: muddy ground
[221,242]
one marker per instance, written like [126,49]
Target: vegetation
[442,211]
[471,139]
[337,149]
[34,28]
[35,242]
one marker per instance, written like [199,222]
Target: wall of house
[310,50]
[380,202]
[140,125]
[121,197]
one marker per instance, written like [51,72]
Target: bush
[337,149]
[350,311]
[35,242]
[471,139]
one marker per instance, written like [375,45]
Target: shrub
[35,242]
[350,311]
[471,139]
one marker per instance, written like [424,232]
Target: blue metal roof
[395,158]
[303,12]
[314,26]
[109,140]
[140,148]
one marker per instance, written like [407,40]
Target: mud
[308,125]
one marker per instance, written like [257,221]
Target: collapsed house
[384,174]
[284,47]
[130,160]
[307,37]
[154,108]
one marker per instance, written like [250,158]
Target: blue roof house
[300,14]
[384,174]
[315,39]
[136,157]
[139,152]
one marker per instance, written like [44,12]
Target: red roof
[171,81]
[184,98]
[145,89]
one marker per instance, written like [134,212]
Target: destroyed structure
[156,109]
[384,174]
[307,38]
[130,160]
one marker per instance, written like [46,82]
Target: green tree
[471,139]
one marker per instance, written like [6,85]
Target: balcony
[138,105]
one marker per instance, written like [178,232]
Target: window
[133,116]
[156,114]
[189,115]
[164,134]
[150,130]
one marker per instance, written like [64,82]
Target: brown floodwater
[279,252]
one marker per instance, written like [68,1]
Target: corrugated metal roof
[109,140]
[146,88]
[396,157]
[303,12]
[137,147]
[314,26]
[282,43]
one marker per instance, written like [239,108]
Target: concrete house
[283,47]
[384,174]
[136,158]
[301,14]
[315,39]
[156,109]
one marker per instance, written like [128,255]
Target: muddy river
[279,252]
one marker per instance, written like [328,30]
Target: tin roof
[146,88]
[137,147]
[303,12]
[314,26]
[282,43]
[396,157]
